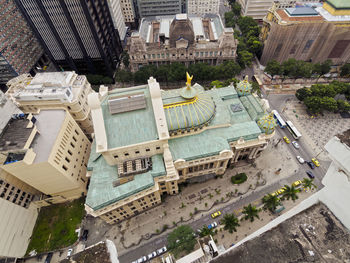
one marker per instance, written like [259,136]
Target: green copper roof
[187,113]
[267,123]
[243,87]
[125,128]
[101,190]
[339,4]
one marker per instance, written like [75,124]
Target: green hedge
[239,178]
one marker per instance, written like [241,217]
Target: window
[70,153]
[180,172]
[137,152]
[157,148]
[147,150]
[67,160]
[222,163]
[115,156]
[307,46]
[126,154]
[278,50]
[64,167]
[72,144]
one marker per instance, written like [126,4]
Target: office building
[20,52]
[78,35]
[130,12]
[117,17]
[188,134]
[54,90]
[182,38]
[308,33]
[159,8]
[202,7]
[48,152]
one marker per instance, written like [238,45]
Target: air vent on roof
[120,104]
[236,107]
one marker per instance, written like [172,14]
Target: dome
[244,87]
[188,92]
[184,114]
[267,123]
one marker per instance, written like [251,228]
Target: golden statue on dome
[189,79]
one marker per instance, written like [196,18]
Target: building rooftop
[102,192]
[52,79]
[286,17]
[49,123]
[301,11]
[234,118]
[339,4]
[15,134]
[124,128]
[345,137]
[314,235]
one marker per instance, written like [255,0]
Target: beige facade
[128,175]
[315,36]
[202,7]
[48,152]
[128,11]
[181,38]
[49,91]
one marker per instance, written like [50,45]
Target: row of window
[14,194]
[136,152]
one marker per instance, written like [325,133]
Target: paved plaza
[318,130]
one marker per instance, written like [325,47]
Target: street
[276,102]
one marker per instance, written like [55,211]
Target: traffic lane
[143,250]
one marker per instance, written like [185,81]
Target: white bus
[279,119]
[296,134]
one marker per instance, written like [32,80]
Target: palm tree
[250,212]
[308,184]
[205,231]
[291,192]
[230,222]
[270,202]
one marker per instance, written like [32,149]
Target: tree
[205,231]
[245,58]
[107,80]
[181,239]
[345,70]
[124,76]
[313,104]
[254,45]
[216,83]
[229,19]
[270,202]
[329,104]
[126,59]
[230,222]
[273,68]
[247,23]
[303,93]
[343,106]
[308,184]
[291,192]
[250,212]
[289,68]
[236,9]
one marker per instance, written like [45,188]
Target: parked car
[161,250]
[142,259]
[281,191]
[212,225]
[152,255]
[295,144]
[69,253]
[297,183]
[310,174]
[48,257]
[216,214]
[85,234]
[285,138]
[311,164]
[315,161]
[300,159]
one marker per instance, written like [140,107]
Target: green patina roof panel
[131,127]
[339,4]
[101,190]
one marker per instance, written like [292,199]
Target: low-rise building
[147,141]
[48,152]
[202,7]
[182,38]
[53,90]
[308,33]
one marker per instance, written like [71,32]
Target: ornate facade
[147,141]
[181,38]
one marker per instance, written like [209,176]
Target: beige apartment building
[181,38]
[48,152]
[147,141]
[128,12]
[53,90]
[308,33]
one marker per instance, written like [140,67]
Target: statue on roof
[189,79]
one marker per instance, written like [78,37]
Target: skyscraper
[117,17]
[78,35]
[20,52]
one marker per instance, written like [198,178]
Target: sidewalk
[202,196]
